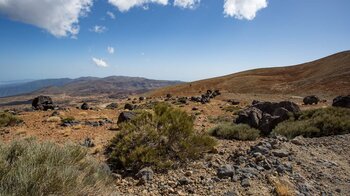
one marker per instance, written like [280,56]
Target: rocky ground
[268,166]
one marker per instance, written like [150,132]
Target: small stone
[245,182]
[298,140]
[189,173]
[88,143]
[145,175]
[225,171]
[184,181]
[280,153]
[261,149]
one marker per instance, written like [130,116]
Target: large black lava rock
[342,101]
[266,115]
[43,103]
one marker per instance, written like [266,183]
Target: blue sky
[156,39]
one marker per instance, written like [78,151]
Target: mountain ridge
[84,86]
[329,75]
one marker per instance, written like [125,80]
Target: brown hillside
[328,76]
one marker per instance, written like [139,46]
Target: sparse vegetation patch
[316,123]
[7,119]
[234,131]
[162,138]
[31,168]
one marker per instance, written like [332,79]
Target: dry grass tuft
[31,168]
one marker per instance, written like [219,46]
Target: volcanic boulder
[129,106]
[342,101]
[309,100]
[266,115]
[85,106]
[43,103]
[126,116]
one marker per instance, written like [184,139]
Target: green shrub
[7,119]
[234,131]
[231,108]
[31,168]
[163,138]
[220,119]
[316,123]
[68,120]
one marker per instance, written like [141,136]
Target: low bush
[220,119]
[162,138]
[31,168]
[231,108]
[68,120]
[234,131]
[7,119]
[316,123]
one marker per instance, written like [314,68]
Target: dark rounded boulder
[129,106]
[43,103]
[266,115]
[250,116]
[85,106]
[126,116]
[342,101]
[309,100]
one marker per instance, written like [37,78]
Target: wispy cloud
[243,9]
[60,18]
[99,62]
[98,29]
[125,5]
[111,15]
[110,50]
[190,4]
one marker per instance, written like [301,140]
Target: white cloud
[125,5]
[110,50]
[60,18]
[111,15]
[99,62]
[243,9]
[191,4]
[98,29]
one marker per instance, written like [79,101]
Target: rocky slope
[327,76]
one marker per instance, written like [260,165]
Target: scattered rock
[251,116]
[245,182]
[126,116]
[342,101]
[55,113]
[43,103]
[85,106]
[184,181]
[266,115]
[182,100]
[226,171]
[88,143]
[298,140]
[145,175]
[129,106]
[233,102]
[205,98]
[312,99]
[280,153]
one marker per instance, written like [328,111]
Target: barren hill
[113,85]
[328,76]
